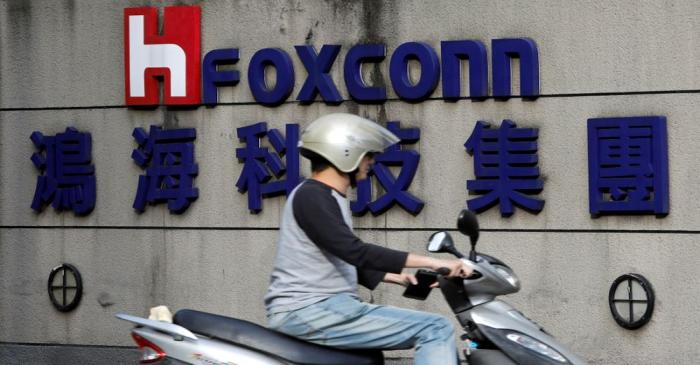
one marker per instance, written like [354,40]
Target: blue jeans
[343,321]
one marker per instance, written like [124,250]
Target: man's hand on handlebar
[453,267]
[456,267]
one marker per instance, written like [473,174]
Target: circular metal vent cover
[631,300]
[65,287]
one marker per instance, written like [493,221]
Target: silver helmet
[344,139]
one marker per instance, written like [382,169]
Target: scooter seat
[271,342]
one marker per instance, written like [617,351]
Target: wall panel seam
[251,103]
[390,229]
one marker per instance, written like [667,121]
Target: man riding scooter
[320,261]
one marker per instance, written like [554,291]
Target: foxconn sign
[174,57]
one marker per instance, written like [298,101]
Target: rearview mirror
[468,225]
[440,242]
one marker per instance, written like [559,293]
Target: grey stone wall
[61,64]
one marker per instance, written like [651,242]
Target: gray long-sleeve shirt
[318,255]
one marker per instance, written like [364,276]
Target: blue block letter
[358,89]
[452,54]
[214,78]
[318,80]
[281,61]
[628,166]
[503,50]
[429,74]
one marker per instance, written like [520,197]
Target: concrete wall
[61,64]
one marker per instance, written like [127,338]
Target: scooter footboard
[489,357]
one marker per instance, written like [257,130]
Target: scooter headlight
[536,346]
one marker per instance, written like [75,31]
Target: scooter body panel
[204,351]
[161,326]
[500,315]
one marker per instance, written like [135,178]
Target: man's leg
[344,322]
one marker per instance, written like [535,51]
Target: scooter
[496,332]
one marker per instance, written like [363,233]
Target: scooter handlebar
[475,274]
[443,271]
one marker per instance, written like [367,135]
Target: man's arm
[456,266]
[371,278]
[318,214]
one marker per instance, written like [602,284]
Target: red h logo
[173,56]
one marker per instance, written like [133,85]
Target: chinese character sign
[505,167]
[68,179]
[168,157]
[628,166]
[395,188]
[260,165]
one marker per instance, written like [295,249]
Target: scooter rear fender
[204,351]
